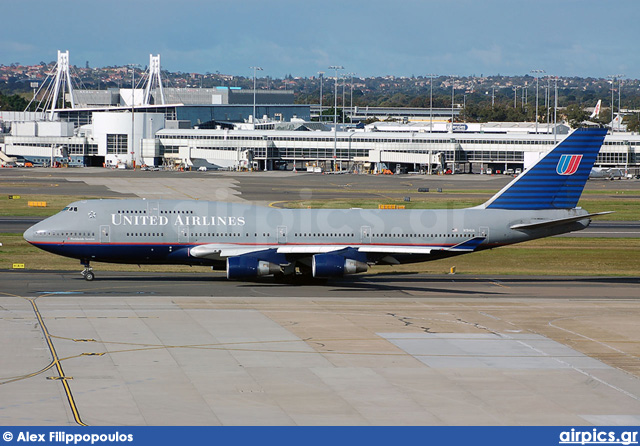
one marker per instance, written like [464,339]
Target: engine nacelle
[331,265]
[242,267]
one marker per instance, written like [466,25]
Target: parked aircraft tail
[596,110]
[556,181]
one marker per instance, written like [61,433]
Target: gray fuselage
[163,231]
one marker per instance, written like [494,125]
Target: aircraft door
[483,231]
[365,234]
[105,230]
[282,234]
[152,208]
[183,234]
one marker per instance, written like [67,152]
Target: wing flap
[309,249]
[396,249]
[466,246]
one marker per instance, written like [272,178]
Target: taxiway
[157,349]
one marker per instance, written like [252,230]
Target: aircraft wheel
[89,276]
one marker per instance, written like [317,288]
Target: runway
[195,349]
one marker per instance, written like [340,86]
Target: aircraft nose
[28,234]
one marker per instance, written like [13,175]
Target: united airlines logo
[180,220]
[568,164]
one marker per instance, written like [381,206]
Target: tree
[604,117]
[12,103]
[632,122]
[575,115]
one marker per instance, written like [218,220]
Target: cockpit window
[70,209]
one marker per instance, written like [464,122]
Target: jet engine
[243,267]
[331,265]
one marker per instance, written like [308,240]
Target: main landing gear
[87,273]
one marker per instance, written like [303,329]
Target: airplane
[253,241]
[609,173]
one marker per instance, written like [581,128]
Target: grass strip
[553,256]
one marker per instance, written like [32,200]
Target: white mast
[154,75]
[62,77]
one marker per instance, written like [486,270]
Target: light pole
[133,111]
[613,78]
[344,84]
[431,76]
[351,99]
[321,76]
[453,89]
[464,107]
[619,95]
[335,113]
[515,97]
[548,100]
[536,73]
[555,110]
[254,98]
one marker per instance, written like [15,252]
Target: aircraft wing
[537,224]
[217,251]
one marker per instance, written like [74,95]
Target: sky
[585,38]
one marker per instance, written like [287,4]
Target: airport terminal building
[120,138]
[228,127]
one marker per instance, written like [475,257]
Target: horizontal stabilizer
[538,224]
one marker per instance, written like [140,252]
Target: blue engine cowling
[242,267]
[331,265]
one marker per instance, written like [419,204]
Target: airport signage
[460,127]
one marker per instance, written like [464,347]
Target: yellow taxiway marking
[58,365]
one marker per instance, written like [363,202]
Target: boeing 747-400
[252,241]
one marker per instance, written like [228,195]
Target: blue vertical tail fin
[556,181]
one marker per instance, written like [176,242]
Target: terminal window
[116,144]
